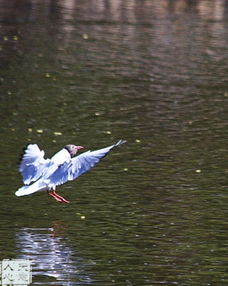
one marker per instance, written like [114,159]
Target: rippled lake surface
[154,211]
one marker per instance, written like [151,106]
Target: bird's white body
[41,174]
[61,157]
[50,166]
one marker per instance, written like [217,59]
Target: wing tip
[22,155]
[120,142]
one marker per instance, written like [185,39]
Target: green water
[153,212]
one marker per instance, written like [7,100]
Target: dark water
[154,212]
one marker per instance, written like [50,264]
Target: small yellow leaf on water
[5,38]
[29,129]
[108,132]
[125,169]
[83,217]
[85,36]
[54,141]
[39,131]
[15,38]
[137,140]
[198,171]
[56,133]
[47,75]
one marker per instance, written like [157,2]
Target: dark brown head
[72,149]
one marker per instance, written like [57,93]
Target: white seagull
[41,174]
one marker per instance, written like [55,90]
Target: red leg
[61,198]
[57,197]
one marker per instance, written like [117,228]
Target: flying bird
[41,174]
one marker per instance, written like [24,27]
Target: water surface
[153,212]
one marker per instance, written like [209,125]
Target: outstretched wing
[79,165]
[32,164]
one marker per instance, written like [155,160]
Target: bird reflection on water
[54,262]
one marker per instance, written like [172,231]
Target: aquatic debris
[198,171]
[108,132]
[56,133]
[48,75]
[39,131]
[85,36]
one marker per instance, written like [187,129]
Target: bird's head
[72,149]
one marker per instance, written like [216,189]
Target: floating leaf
[39,131]
[85,36]
[56,133]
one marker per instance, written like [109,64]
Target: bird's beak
[79,147]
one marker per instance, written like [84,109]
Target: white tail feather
[27,190]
